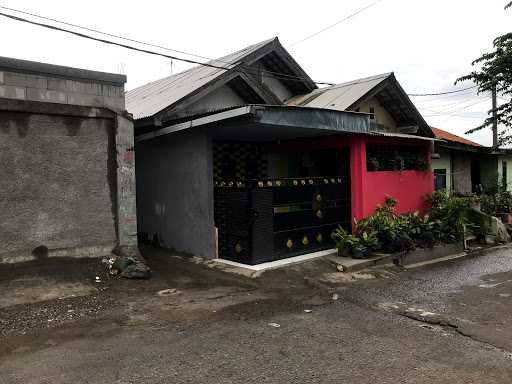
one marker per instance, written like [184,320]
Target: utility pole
[494,119]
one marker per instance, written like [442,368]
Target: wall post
[357,177]
[126,201]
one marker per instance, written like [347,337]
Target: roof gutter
[196,122]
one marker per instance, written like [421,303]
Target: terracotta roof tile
[441,134]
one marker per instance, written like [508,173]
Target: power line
[441,93]
[276,75]
[279,75]
[108,41]
[461,109]
[336,23]
[446,98]
[448,108]
[105,33]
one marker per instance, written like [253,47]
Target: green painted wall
[489,172]
[444,162]
[508,160]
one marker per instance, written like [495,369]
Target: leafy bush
[398,233]
[496,203]
[450,212]
[391,232]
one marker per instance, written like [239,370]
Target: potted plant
[366,243]
[344,241]
[355,246]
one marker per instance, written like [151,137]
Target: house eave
[270,123]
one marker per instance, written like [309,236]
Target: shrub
[496,203]
[356,245]
[398,233]
[450,212]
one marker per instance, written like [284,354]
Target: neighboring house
[465,167]
[67,162]
[381,96]
[226,167]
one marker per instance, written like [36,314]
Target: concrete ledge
[34,67]
[420,255]
[9,104]
[348,264]
[75,252]
[278,263]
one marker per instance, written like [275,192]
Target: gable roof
[442,134]
[152,98]
[340,96]
[349,95]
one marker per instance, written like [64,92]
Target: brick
[25,80]
[57,84]
[85,100]
[114,103]
[83,87]
[46,95]
[112,91]
[12,92]
[88,88]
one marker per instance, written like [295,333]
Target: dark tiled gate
[269,220]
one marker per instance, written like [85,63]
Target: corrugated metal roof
[340,96]
[153,97]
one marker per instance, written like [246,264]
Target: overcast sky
[428,44]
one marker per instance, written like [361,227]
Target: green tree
[495,70]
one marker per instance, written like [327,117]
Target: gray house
[225,167]
[67,174]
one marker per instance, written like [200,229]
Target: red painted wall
[409,188]
[370,189]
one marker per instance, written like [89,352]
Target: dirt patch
[33,290]
[50,302]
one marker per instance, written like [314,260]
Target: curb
[459,256]
[387,260]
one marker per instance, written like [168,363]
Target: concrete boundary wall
[26,80]
[68,162]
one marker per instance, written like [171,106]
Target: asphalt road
[448,323]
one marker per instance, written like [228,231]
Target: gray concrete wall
[51,89]
[72,159]
[175,192]
[30,80]
[57,183]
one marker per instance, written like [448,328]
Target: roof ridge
[221,59]
[357,81]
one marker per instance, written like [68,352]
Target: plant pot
[343,252]
[359,253]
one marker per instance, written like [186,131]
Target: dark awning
[269,123]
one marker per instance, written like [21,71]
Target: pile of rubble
[127,263]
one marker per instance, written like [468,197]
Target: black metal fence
[266,220]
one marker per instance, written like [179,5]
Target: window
[395,158]
[504,175]
[372,111]
[439,179]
